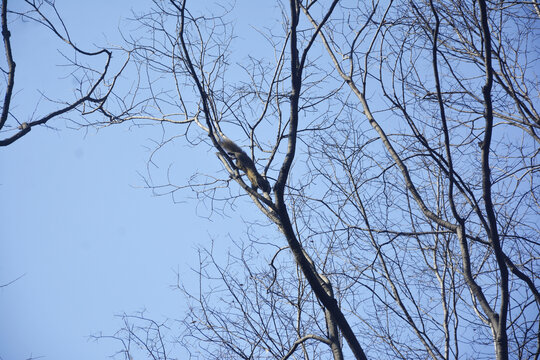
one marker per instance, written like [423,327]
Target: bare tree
[252,312]
[94,84]
[468,193]
[194,50]
[411,210]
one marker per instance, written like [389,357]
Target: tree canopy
[400,142]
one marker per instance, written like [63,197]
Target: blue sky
[89,242]
[82,237]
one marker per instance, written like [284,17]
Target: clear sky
[81,240]
[88,241]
